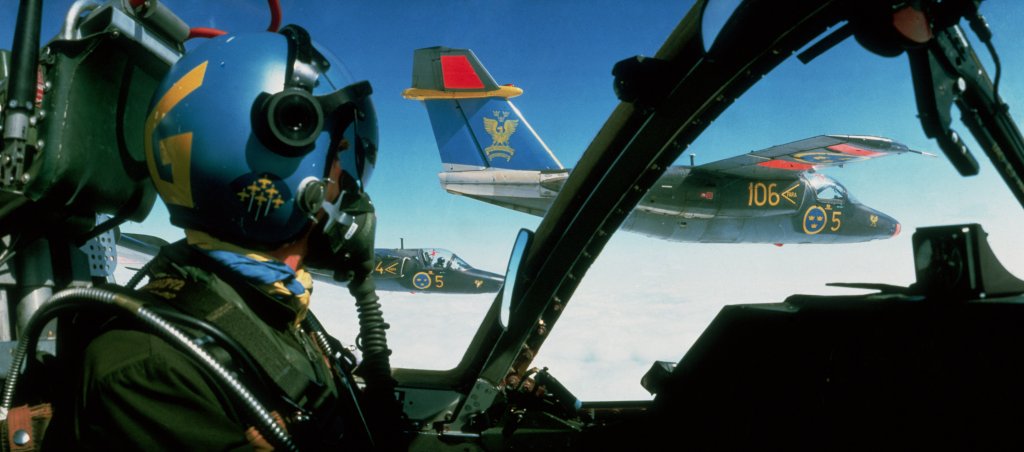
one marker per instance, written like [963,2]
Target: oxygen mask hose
[376,365]
[349,252]
[352,258]
[383,410]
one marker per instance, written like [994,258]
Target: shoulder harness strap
[198,300]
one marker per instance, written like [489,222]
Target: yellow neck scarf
[277,290]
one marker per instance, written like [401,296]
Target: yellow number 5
[836,222]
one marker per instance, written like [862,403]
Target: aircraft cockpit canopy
[442,258]
[827,189]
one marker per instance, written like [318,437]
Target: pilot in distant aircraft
[261,148]
[490,153]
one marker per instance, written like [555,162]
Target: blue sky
[561,54]
[531,44]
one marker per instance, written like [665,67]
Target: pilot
[261,148]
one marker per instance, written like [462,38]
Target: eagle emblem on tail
[500,130]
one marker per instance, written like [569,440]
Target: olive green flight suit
[133,391]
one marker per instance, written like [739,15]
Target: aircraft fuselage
[692,206]
[430,270]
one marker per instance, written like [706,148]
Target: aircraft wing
[131,260]
[142,243]
[788,160]
[324,276]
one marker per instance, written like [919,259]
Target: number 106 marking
[759,194]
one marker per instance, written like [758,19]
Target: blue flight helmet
[243,130]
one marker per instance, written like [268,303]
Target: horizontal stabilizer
[526,191]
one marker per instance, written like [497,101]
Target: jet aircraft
[490,153]
[432,270]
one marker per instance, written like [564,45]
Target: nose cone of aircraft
[858,223]
[874,224]
[486,282]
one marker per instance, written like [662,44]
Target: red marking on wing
[782,164]
[458,73]
[853,150]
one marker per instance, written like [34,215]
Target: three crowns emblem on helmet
[500,130]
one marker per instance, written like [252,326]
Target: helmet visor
[355,124]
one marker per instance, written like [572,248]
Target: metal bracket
[936,72]
[12,165]
[477,401]
[102,253]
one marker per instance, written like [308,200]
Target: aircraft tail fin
[475,124]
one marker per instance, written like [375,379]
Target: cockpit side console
[933,365]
